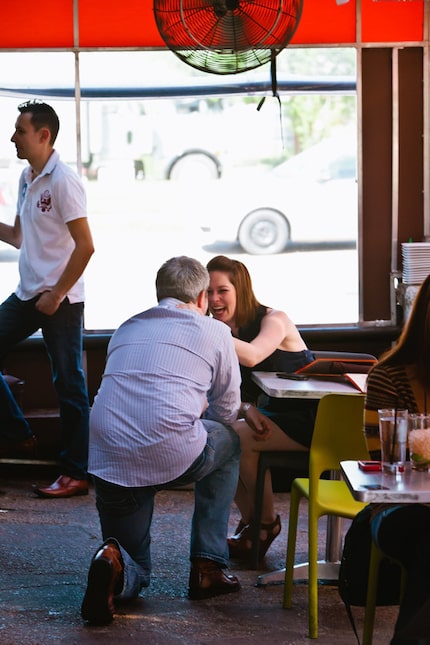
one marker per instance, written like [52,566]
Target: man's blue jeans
[13,424]
[126,513]
[62,333]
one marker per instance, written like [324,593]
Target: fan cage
[227,36]
[225,62]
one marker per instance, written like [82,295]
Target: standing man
[51,230]
[147,432]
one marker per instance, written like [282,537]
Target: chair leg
[372,586]
[313,575]
[376,556]
[295,498]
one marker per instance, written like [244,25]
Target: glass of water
[393,433]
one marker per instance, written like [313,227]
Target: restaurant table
[311,388]
[410,487]
[407,487]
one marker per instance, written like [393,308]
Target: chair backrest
[338,434]
[339,355]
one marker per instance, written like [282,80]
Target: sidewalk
[46,547]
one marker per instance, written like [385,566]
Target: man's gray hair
[182,278]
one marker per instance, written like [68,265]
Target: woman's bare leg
[251,449]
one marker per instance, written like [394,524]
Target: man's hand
[48,303]
[259,423]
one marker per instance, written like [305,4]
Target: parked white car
[310,198]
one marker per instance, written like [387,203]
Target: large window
[174,170]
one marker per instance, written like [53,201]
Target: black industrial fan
[227,36]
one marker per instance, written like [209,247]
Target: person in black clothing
[401,379]
[266,340]
[402,532]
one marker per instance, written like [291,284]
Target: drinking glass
[393,433]
[419,441]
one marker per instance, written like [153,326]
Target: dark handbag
[354,568]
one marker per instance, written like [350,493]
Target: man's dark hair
[42,116]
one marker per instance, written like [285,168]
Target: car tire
[263,232]
[194,165]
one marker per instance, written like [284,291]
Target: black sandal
[240,545]
[241,525]
[273,530]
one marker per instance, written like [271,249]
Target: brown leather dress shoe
[208,578]
[64,486]
[104,578]
[19,449]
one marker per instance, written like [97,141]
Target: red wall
[109,23]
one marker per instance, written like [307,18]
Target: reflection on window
[204,174]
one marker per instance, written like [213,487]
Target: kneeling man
[148,431]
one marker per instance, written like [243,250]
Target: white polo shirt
[45,205]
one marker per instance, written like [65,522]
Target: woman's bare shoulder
[280,315]
[290,331]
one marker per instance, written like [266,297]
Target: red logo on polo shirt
[44,203]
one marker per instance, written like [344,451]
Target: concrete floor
[46,546]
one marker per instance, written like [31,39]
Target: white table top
[409,487]
[312,388]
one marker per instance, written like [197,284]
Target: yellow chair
[338,436]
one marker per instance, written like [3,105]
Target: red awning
[108,23]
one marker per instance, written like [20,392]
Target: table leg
[333,546]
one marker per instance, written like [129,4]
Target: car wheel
[264,231]
[194,165]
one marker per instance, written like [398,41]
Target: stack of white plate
[416,262]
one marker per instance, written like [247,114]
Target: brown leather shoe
[208,578]
[19,449]
[104,578]
[64,486]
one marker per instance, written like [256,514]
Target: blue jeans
[13,424]
[126,513]
[62,333]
